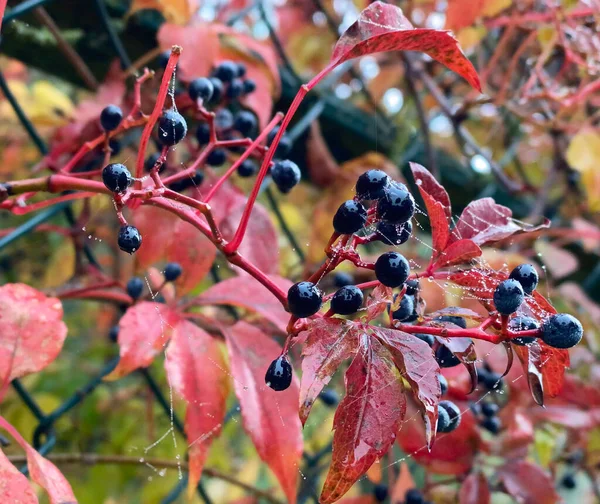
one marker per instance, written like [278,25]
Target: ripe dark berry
[163,59]
[569,481]
[116,177]
[454,413]
[201,88]
[475,408]
[329,397]
[151,161]
[110,117]
[249,86]
[446,358]
[443,383]
[492,380]
[304,299]
[406,308]
[427,338]
[245,122]
[279,374]
[380,492]
[371,184]
[129,239]
[135,287]
[413,496]
[217,157]
[235,89]
[218,88]
[247,168]
[115,146]
[392,269]
[527,276]
[489,409]
[508,296]
[203,133]
[113,334]
[459,321]
[193,181]
[347,300]
[223,120]
[285,143]
[172,128]
[562,331]
[241,70]
[396,205]
[444,422]
[226,71]
[286,175]
[412,287]
[523,324]
[341,279]
[393,234]
[173,271]
[350,217]
[492,424]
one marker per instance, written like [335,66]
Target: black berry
[173,271]
[114,146]
[412,287]
[163,59]
[396,205]
[443,383]
[249,86]
[285,143]
[413,496]
[235,89]
[508,296]
[341,279]
[116,177]
[454,413]
[427,338]
[135,287]
[226,71]
[223,120]
[527,276]
[459,321]
[371,184]
[172,128]
[392,269]
[350,217]
[406,308]
[393,234]
[201,88]
[380,492]
[193,181]
[444,422]
[218,87]
[489,409]
[446,358]
[247,168]
[569,481]
[129,239]
[286,175]
[329,397]
[110,117]
[523,324]
[245,122]
[241,70]
[203,133]
[151,161]
[492,424]
[217,157]
[347,300]
[304,299]
[113,334]
[279,374]
[562,331]
[492,380]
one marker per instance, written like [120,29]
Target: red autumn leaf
[144,331]
[475,490]
[156,227]
[528,483]
[456,311]
[14,486]
[378,301]
[580,392]
[458,252]
[33,332]
[260,243]
[269,417]
[464,350]
[367,419]
[416,362]
[427,183]
[461,14]
[249,294]
[330,341]
[42,471]
[530,359]
[383,27]
[568,416]
[197,370]
[480,281]
[361,499]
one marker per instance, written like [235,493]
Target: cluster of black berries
[448,412]
[559,331]
[412,496]
[487,414]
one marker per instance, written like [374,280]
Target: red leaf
[33,332]
[330,341]
[367,419]
[378,301]
[383,27]
[42,471]
[480,281]
[269,417]
[415,361]
[461,14]
[404,482]
[455,311]
[197,370]
[248,293]
[260,243]
[144,331]
[475,490]
[464,350]
[528,483]
[14,486]
[458,252]
[429,185]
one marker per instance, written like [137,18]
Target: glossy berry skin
[380,492]
[562,331]
[371,184]
[454,413]
[459,321]
[172,128]
[193,181]
[350,217]
[217,157]
[241,70]
[396,205]
[135,287]
[443,423]
[249,86]
[218,90]
[285,143]
[304,299]
[492,424]
[279,374]
[235,89]
[569,481]
[443,383]
[173,271]
[413,496]
[245,122]
[393,234]
[347,300]
[115,146]
[129,239]
[412,287]
[329,397]
[427,338]
[523,324]
[446,358]
[226,71]
[527,276]
[405,310]
[286,175]
[151,161]
[341,279]
[508,296]
[203,133]
[223,120]
[247,168]
[392,269]
[492,380]
[201,88]
[110,117]
[489,409]
[113,334]
[116,177]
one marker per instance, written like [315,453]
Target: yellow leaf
[471,36]
[62,265]
[493,7]
[582,155]
[174,11]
